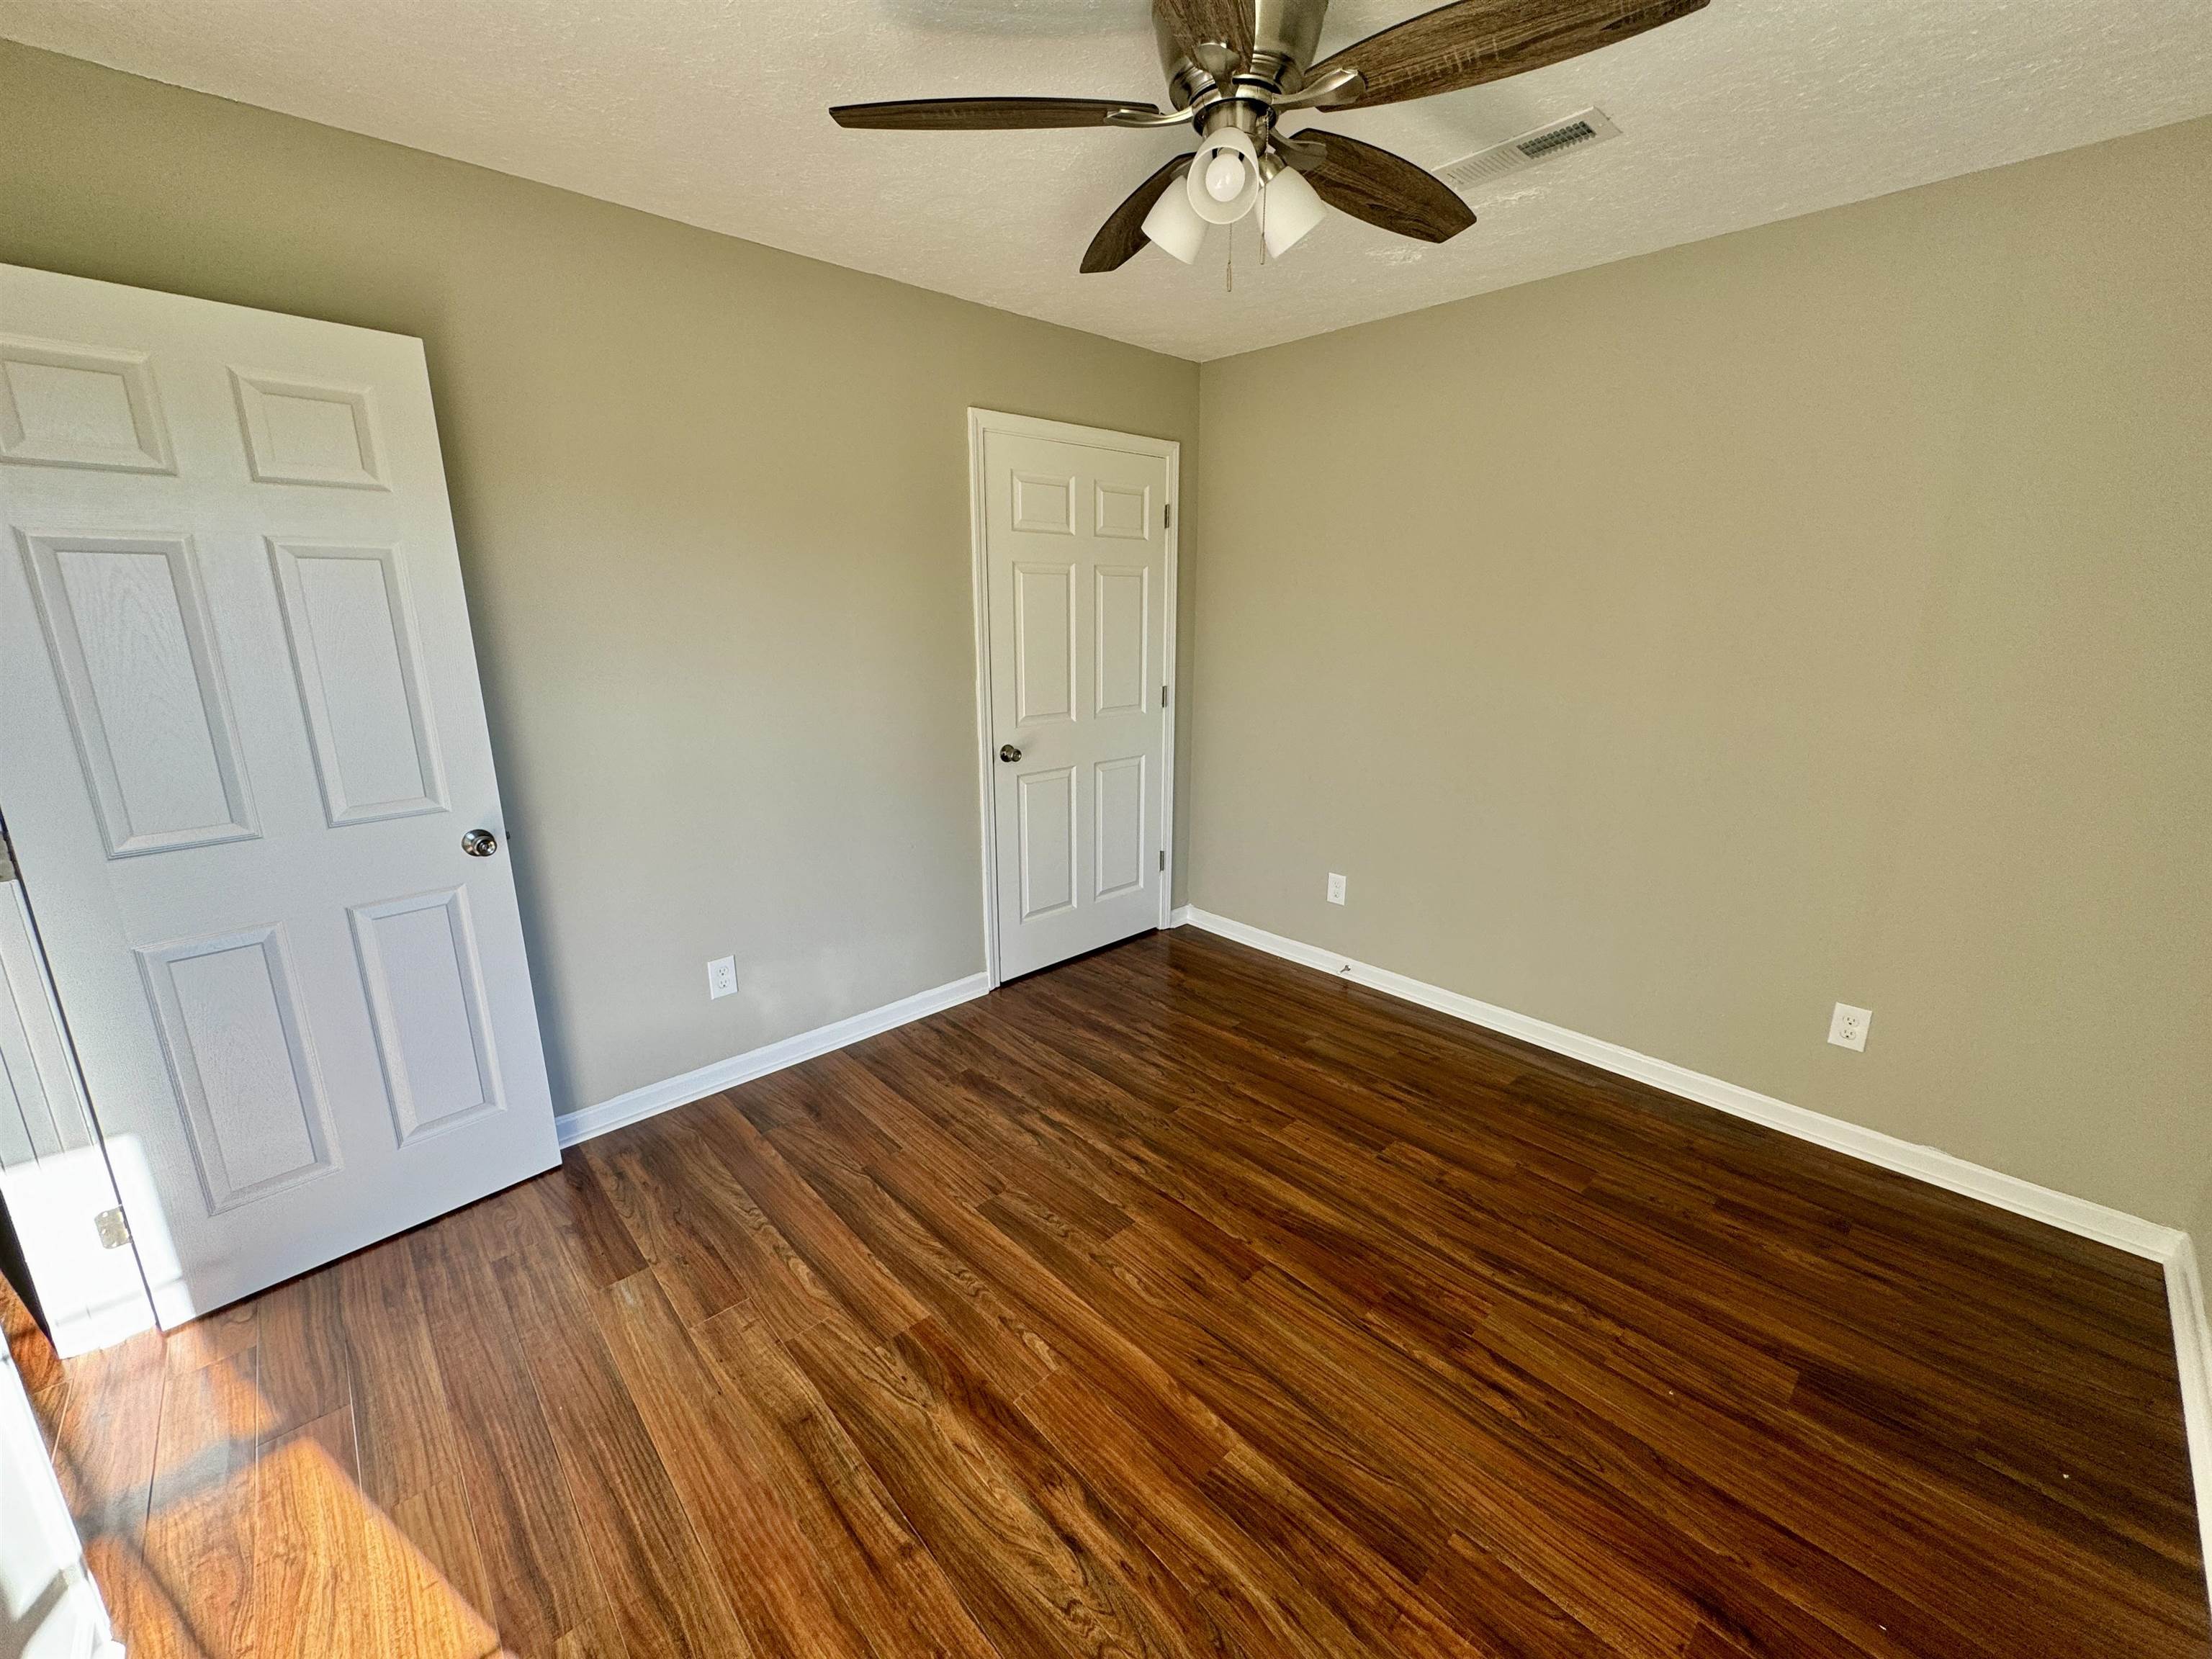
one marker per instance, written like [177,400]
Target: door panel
[1118,796]
[1075,567]
[1046,835]
[134,653]
[1044,642]
[245,739]
[357,661]
[424,981]
[74,406]
[1123,610]
[299,432]
[228,1012]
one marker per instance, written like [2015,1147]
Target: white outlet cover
[1847,1026]
[1335,888]
[722,977]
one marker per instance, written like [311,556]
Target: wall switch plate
[1847,1026]
[722,977]
[1336,889]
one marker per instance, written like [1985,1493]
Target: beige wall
[713,510]
[1820,613]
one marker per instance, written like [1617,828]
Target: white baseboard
[1180,916]
[2185,1290]
[674,1091]
[2193,1344]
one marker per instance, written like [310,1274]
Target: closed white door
[1075,540]
[243,763]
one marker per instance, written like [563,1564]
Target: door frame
[980,424]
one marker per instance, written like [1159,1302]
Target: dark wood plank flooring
[1174,1302]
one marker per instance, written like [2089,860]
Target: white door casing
[243,739]
[54,1177]
[49,1607]
[1075,590]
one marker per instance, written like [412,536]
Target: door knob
[1008,752]
[480,843]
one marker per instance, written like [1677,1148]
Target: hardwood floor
[1174,1302]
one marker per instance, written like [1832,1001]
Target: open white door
[1075,573]
[244,764]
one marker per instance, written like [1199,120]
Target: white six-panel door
[1075,566]
[242,743]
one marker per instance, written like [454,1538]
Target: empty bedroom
[1015,828]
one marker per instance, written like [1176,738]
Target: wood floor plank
[199,1538]
[1037,1564]
[402,1417]
[334,1575]
[673,1225]
[306,1363]
[773,1572]
[805,1225]
[438,1523]
[886,1579]
[637,1538]
[1174,1302]
[104,1451]
[936,1276]
[528,1535]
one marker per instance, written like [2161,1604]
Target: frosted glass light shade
[1290,208]
[1174,225]
[1208,206]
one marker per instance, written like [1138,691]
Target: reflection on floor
[1174,1302]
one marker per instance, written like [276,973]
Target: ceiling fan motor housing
[1285,36]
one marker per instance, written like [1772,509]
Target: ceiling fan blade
[984,114]
[1122,235]
[1382,189]
[1192,23]
[1473,41]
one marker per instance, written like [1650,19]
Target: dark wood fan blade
[1124,233]
[1384,189]
[983,114]
[1471,41]
[1191,23]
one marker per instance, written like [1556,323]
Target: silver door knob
[480,843]
[1008,752]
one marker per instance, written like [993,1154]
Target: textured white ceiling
[712,112]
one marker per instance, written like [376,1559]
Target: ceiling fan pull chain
[1230,286]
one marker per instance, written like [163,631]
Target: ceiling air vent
[1576,132]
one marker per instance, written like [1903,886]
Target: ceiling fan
[1235,67]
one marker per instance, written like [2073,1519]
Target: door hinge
[114,1231]
[7,855]
[1167,515]
[1163,696]
[1163,858]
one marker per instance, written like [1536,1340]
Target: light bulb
[1223,180]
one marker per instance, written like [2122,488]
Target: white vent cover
[1555,138]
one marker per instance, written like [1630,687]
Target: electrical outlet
[1847,1026]
[1336,889]
[722,977]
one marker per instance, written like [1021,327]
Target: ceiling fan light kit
[1234,67]
[1174,226]
[1289,208]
